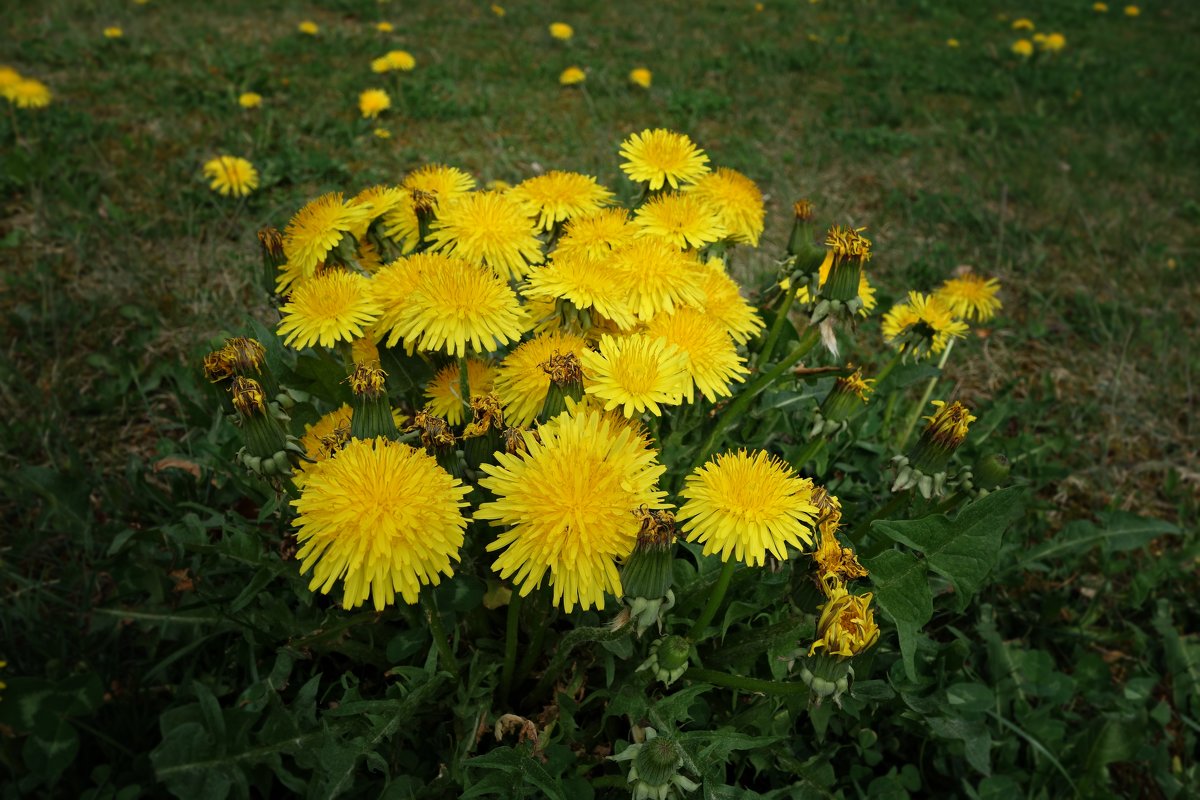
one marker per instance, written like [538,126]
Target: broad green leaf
[976,739]
[1118,531]
[970,697]
[962,550]
[902,591]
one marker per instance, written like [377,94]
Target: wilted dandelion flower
[381,517]
[250,100]
[971,296]
[489,228]
[658,276]
[1023,48]
[658,157]
[113,32]
[318,227]
[684,220]
[745,505]
[373,102]
[27,93]
[846,626]
[572,76]
[444,393]
[737,201]
[330,308]
[636,373]
[596,235]
[723,302]
[230,175]
[561,31]
[570,501]
[921,325]
[308,28]
[558,195]
[640,77]
[587,284]
[712,359]
[522,382]
[453,303]
[394,60]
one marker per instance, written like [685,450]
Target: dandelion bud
[646,576]
[266,442]
[566,381]
[848,395]
[482,436]
[272,247]
[247,355]
[847,625]
[847,251]
[801,243]
[654,773]
[372,412]
[514,440]
[218,366]
[438,441]
[668,658]
[947,429]
[248,397]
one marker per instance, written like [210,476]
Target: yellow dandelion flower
[27,93]
[442,182]
[636,373]
[382,133]
[317,228]
[230,175]
[948,425]
[1100,8]
[952,43]
[381,517]
[1053,42]
[597,234]
[743,506]
[658,157]
[250,100]
[572,76]
[373,102]
[330,308]
[521,381]
[921,325]
[570,500]
[453,303]
[558,195]
[8,77]
[561,31]
[326,436]
[384,27]
[308,28]
[113,32]
[971,296]
[1023,48]
[365,351]
[835,562]
[498,10]
[489,228]
[640,77]
[444,392]
[737,201]
[587,284]
[723,302]
[401,60]
[712,359]
[684,220]
[392,286]
[866,293]
[658,276]
[1022,24]
[1132,11]
[847,625]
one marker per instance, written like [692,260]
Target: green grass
[1073,179]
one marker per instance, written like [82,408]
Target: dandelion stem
[510,644]
[915,414]
[764,355]
[809,452]
[440,640]
[887,368]
[714,600]
[745,684]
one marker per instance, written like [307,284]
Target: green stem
[714,600]
[860,530]
[440,640]
[745,684]
[915,414]
[510,644]
[888,367]
[810,450]
[764,355]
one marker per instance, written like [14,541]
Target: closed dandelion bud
[248,355]
[847,251]
[646,576]
[218,366]
[992,471]
[372,412]
[668,658]
[273,257]
[801,243]
[947,429]
[425,206]
[248,398]
[438,441]
[655,771]
[514,442]
[263,435]
[483,435]
[566,381]
[848,395]
[847,625]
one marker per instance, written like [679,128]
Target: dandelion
[444,393]
[489,228]
[1132,11]
[1023,48]
[113,32]
[971,296]
[636,373]
[1053,42]
[8,77]
[743,506]
[330,308]
[1022,24]
[640,77]
[557,196]
[441,182]
[570,500]
[712,360]
[952,43]
[723,302]
[921,325]
[394,60]
[658,276]
[522,381]
[372,102]
[230,175]
[308,28]
[384,27]
[587,284]
[382,133]
[498,10]
[1100,8]
[317,228]
[561,31]
[684,220]
[737,201]
[572,76]
[381,517]
[846,626]
[658,157]
[596,235]
[28,93]
[250,100]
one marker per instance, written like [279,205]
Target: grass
[1072,178]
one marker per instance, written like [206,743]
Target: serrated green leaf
[902,591]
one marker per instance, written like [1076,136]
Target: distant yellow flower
[659,277]
[250,100]
[684,220]
[382,133]
[658,157]
[569,500]
[557,196]
[744,506]
[1100,8]
[8,77]
[847,625]
[723,302]
[394,60]
[561,31]
[572,76]
[28,93]
[636,373]
[921,325]
[713,363]
[971,296]
[1023,48]
[1054,42]
[372,102]
[113,32]
[597,234]
[737,200]
[497,185]
[488,228]
[498,10]
[384,27]
[758,8]
[522,383]
[1132,11]
[1022,24]
[952,43]
[641,77]
[381,517]
[330,308]
[308,28]
[317,228]
[230,175]
[444,392]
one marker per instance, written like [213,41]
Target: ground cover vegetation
[575,400]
